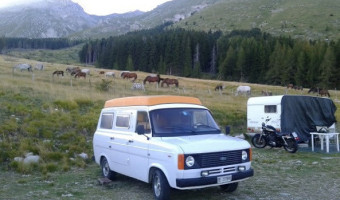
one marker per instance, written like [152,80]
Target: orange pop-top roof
[150,101]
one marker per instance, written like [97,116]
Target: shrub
[104,86]
[66,105]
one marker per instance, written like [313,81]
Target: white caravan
[290,113]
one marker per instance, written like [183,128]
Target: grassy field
[55,117]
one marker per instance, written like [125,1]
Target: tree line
[36,43]
[245,55]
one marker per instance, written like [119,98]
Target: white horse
[137,86]
[86,71]
[243,90]
[23,67]
[110,74]
[39,66]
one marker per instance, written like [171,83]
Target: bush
[104,86]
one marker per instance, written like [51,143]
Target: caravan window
[270,108]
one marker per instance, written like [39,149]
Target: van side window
[143,119]
[270,108]
[106,121]
[123,121]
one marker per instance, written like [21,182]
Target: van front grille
[217,159]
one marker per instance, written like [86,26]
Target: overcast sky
[102,7]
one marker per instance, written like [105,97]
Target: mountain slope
[44,19]
[308,19]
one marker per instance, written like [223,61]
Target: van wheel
[160,186]
[106,171]
[229,187]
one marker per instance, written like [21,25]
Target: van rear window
[270,108]
[106,122]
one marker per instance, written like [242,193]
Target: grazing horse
[323,92]
[290,86]
[219,87]
[298,88]
[169,81]
[123,72]
[73,70]
[319,91]
[243,90]
[86,71]
[80,74]
[110,74]
[39,66]
[129,75]
[23,67]
[137,86]
[102,72]
[151,79]
[314,90]
[58,73]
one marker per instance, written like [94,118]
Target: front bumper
[202,181]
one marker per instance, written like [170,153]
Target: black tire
[258,141]
[231,187]
[291,146]
[106,171]
[160,186]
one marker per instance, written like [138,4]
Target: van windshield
[173,122]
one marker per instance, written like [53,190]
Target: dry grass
[69,88]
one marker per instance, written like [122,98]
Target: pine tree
[187,71]
[129,65]
[327,69]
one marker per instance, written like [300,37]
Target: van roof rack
[151,101]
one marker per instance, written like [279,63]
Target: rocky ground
[278,175]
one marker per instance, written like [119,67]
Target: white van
[169,141]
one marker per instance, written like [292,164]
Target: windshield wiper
[197,126]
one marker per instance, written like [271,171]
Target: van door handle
[112,138]
[130,141]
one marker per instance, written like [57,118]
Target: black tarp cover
[301,114]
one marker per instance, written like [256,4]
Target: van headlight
[244,155]
[190,161]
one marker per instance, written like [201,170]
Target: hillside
[308,19]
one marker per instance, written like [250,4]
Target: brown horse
[219,87]
[169,81]
[320,91]
[152,79]
[128,75]
[290,86]
[80,74]
[58,73]
[323,92]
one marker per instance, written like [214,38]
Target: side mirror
[140,130]
[227,130]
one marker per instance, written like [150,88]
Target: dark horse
[169,81]
[218,87]
[80,74]
[322,92]
[58,73]
[151,79]
[129,75]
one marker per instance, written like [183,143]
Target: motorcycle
[273,138]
